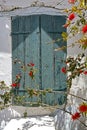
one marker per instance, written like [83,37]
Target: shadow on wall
[23,27]
[6,115]
[34,123]
[63,120]
[5,38]
[9,118]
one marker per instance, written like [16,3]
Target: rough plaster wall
[5,50]
[24,3]
[63,120]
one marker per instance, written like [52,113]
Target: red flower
[84,29]
[15,85]
[64,70]
[71,1]
[83,108]
[31,64]
[85,72]
[76,116]
[71,16]
[31,74]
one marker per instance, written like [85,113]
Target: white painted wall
[5,50]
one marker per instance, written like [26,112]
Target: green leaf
[64,36]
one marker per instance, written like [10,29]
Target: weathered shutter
[52,62]
[32,41]
[18,49]
[25,48]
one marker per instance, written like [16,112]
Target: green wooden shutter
[18,49]
[52,62]
[25,48]
[32,38]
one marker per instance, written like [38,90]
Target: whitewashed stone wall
[5,50]
[63,120]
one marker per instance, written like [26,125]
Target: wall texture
[5,50]
[63,120]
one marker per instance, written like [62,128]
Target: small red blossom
[71,1]
[76,116]
[85,72]
[31,74]
[84,29]
[83,108]
[64,70]
[31,64]
[71,16]
[15,85]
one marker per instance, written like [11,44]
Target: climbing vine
[76,22]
